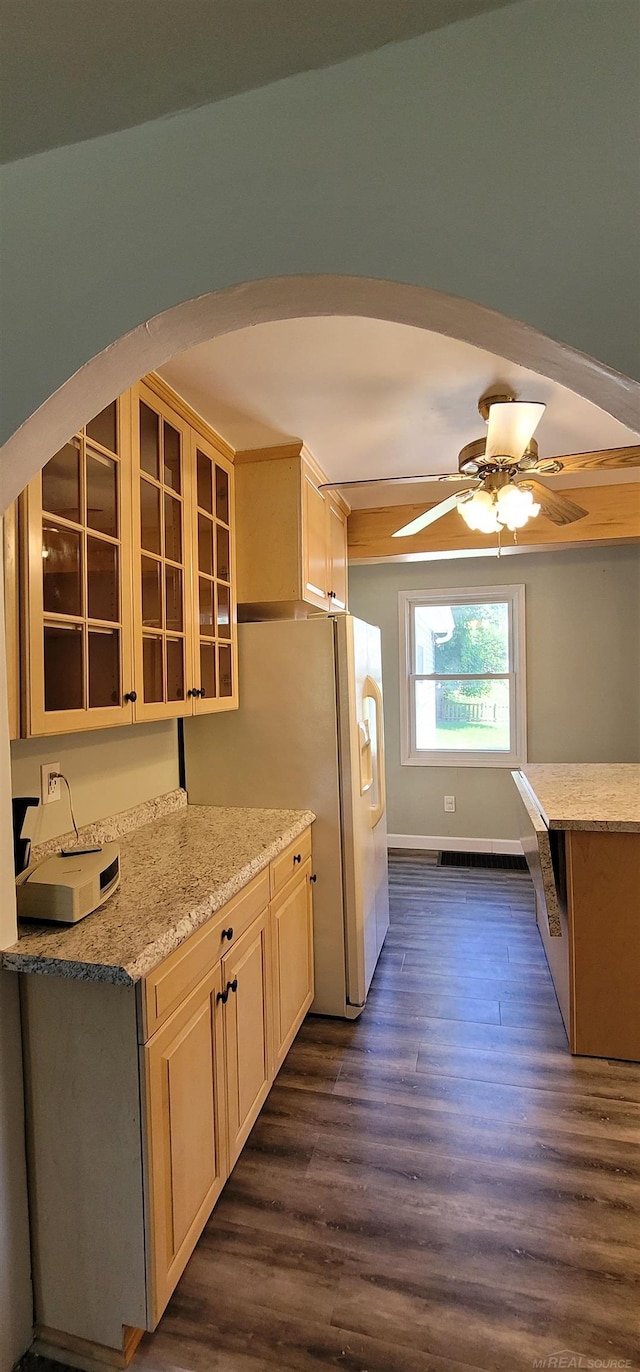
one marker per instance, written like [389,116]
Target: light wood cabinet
[215,665]
[209,1067]
[76,543]
[289,863]
[337,553]
[187,1143]
[292,952]
[128,578]
[185,640]
[162,499]
[140,1099]
[168,985]
[314,543]
[246,1012]
[292,536]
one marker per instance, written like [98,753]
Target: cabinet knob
[232,986]
[131,696]
[227,933]
[202,692]
[222,996]
[313,877]
[297,857]
[332,595]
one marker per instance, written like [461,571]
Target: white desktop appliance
[309,735]
[69,885]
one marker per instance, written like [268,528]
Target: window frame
[410,755]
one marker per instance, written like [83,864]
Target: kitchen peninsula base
[581,836]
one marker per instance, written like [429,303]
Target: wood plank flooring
[436,1187]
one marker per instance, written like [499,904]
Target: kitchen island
[153,1030]
[580,829]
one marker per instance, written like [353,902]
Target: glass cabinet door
[78,518]
[162,505]
[215,646]
[128,544]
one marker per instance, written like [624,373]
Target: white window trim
[410,755]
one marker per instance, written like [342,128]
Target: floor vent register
[513,862]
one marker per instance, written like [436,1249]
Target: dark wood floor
[437,1186]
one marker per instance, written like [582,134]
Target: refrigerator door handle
[371,691]
[366,761]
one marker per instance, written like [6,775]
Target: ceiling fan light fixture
[515,506]
[487,511]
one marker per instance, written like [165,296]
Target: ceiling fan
[502,490]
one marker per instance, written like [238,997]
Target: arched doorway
[195,321]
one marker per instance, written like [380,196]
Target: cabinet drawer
[288,863]
[168,985]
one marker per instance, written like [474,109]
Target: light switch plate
[49,785]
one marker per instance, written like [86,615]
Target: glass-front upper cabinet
[128,571]
[162,516]
[215,639]
[77,663]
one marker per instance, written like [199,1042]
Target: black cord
[60,776]
[182,770]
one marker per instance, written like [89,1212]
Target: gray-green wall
[495,160]
[583,676]
[108,770]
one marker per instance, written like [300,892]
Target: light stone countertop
[587,795]
[176,872]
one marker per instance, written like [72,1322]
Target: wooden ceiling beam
[613,517]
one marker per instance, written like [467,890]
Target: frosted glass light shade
[511,426]
[515,506]
[480,513]
[487,513]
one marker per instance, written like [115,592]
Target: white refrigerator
[309,735]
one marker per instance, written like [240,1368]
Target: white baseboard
[434,843]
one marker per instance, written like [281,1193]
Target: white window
[462,677]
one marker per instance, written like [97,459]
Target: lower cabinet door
[292,930]
[247,1031]
[186,1143]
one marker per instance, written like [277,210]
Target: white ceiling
[373,399]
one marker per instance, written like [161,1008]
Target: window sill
[455,759]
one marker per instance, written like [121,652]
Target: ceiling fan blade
[429,517]
[607,459]
[393,480]
[555,506]
[511,426]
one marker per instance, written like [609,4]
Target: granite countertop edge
[601,777]
[621,826]
[154,953]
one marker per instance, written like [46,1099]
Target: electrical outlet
[450,804]
[49,783]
